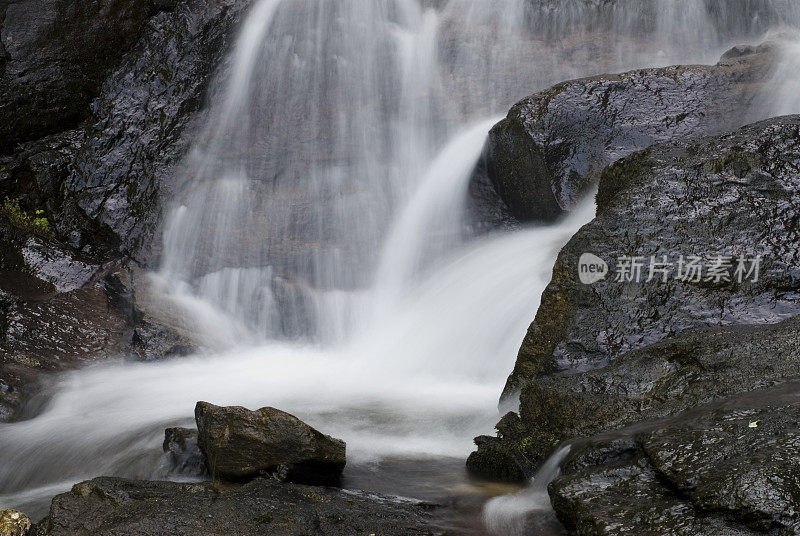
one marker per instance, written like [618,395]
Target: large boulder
[118,507]
[665,344]
[727,469]
[13,523]
[240,444]
[553,145]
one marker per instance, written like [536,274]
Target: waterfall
[323,128]
[319,241]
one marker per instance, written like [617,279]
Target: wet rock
[101,182]
[54,56]
[145,122]
[183,455]
[240,444]
[725,469]
[61,309]
[55,314]
[13,523]
[641,350]
[111,506]
[553,145]
[732,196]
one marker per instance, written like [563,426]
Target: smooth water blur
[323,128]
[516,514]
[319,242]
[420,385]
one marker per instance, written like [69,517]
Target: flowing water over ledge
[322,246]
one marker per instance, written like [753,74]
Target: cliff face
[624,350]
[97,104]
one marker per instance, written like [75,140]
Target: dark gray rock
[553,145]
[725,469]
[55,313]
[102,183]
[97,175]
[182,453]
[111,506]
[240,444]
[61,309]
[54,56]
[661,347]
[146,112]
[732,195]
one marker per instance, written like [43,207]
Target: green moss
[36,223]
[737,161]
[620,175]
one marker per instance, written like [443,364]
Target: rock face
[89,133]
[53,58]
[56,312]
[653,341]
[240,444]
[725,469]
[13,523]
[111,506]
[99,182]
[553,145]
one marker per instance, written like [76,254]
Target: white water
[320,242]
[511,515]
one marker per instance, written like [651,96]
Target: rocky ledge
[726,469]
[554,144]
[602,356]
[112,506]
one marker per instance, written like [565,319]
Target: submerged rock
[553,145]
[664,345]
[13,523]
[182,453]
[112,506]
[727,469]
[240,444]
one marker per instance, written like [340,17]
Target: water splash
[511,515]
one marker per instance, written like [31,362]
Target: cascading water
[320,245]
[510,515]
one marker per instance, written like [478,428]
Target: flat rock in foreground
[240,444]
[113,506]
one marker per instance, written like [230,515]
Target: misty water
[324,247]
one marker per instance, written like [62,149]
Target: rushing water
[321,243]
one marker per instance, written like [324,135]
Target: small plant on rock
[37,223]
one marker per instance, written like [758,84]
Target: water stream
[321,244]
